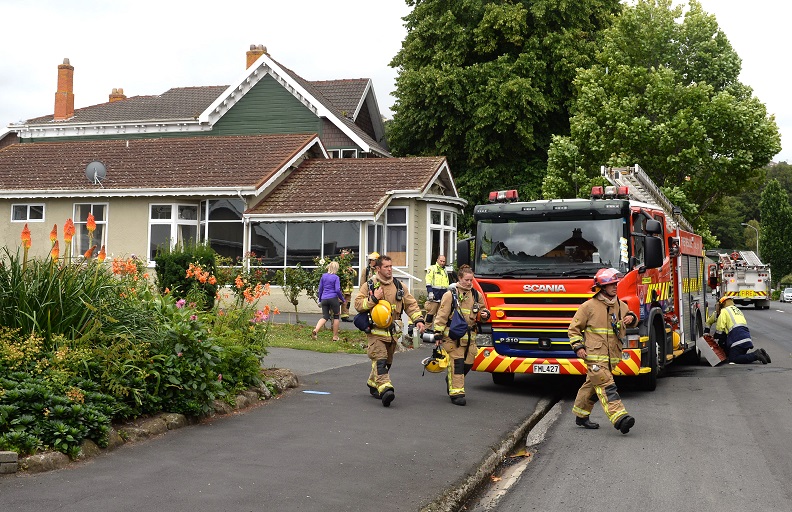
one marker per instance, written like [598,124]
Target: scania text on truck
[535,264]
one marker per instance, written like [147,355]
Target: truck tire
[503,379]
[648,381]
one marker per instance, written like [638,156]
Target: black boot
[767,356]
[458,400]
[374,392]
[585,422]
[387,397]
[760,356]
[624,424]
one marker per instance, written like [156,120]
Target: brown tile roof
[183,103]
[176,103]
[347,184]
[345,95]
[316,93]
[191,162]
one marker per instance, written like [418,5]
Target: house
[272,164]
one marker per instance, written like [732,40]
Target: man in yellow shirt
[436,286]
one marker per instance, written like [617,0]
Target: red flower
[26,242]
[90,224]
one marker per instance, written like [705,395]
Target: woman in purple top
[330,298]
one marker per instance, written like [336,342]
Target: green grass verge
[299,337]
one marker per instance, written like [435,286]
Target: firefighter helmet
[606,276]
[382,314]
[437,362]
[374,255]
[724,299]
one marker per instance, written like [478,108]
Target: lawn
[299,337]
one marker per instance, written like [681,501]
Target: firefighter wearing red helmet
[596,334]
[382,289]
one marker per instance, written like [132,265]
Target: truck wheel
[648,381]
[503,379]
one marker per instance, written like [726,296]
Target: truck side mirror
[653,256]
[653,227]
[463,252]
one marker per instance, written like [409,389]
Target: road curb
[462,490]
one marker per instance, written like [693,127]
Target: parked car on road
[786,295]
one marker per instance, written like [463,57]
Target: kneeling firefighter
[462,350]
[384,299]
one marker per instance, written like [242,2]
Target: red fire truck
[535,264]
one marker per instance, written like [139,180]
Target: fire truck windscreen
[518,247]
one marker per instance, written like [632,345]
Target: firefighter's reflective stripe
[487,360]
[598,330]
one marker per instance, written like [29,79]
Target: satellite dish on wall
[95,172]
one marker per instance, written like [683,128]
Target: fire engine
[535,262]
[742,276]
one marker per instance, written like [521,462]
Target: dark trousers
[740,355]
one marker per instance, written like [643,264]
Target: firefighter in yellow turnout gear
[381,341]
[461,351]
[595,334]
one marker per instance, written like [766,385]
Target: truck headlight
[484,340]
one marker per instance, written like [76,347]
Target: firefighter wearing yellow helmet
[370,270]
[462,351]
[385,300]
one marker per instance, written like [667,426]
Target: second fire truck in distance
[535,264]
[742,276]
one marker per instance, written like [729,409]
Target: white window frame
[174,222]
[448,252]
[28,206]
[342,153]
[406,226]
[99,242]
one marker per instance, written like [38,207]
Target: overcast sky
[146,47]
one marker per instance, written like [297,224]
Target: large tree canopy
[664,93]
[486,84]
[775,233]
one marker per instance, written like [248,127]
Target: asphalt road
[326,446]
[706,440]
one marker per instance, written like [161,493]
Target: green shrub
[57,299]
[172,266]
[39,414]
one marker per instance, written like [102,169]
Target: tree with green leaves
[775,235]
[664,93]
[486,83]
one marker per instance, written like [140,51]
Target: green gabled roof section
[267,108]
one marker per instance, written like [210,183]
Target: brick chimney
[64,97]
[254,53]
[117,95]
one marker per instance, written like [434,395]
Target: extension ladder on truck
[642,188]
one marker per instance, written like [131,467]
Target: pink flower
[180,303]
[193,317]
[179,354]
[219,376]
